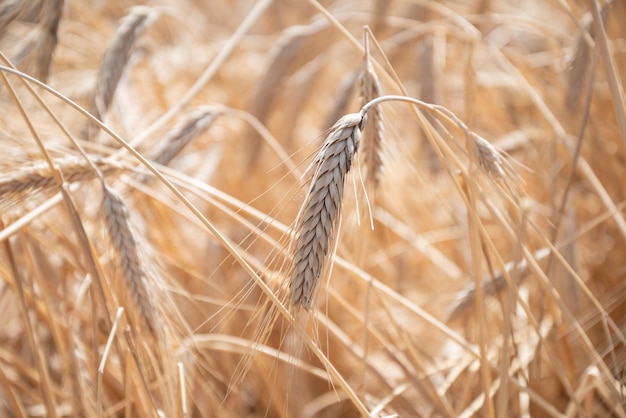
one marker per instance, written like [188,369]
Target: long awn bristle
[322,207]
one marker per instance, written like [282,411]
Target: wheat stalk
[117,55]
[322,207]
[124,241]
[482,151]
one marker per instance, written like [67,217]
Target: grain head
[373,137]
[322,208]
[16,185]
[128,258]
[192,125]
[117,55]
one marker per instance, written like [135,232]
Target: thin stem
[437,110]
[394,98]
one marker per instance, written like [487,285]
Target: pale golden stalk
[322,207]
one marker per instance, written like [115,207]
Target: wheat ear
[489,157]
[116,56]
[372,138]
[491,285]
[124,241]
[322,207]
[182,134]
[37,52]
[38,177]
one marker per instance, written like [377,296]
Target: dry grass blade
[254,14]
[35,178]
[182,134]
[34,339]
[320,212]
[373,137]
[127,251]
[117,55]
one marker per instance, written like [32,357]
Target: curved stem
[438,110]
[394,98]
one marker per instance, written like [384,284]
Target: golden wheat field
[293,208]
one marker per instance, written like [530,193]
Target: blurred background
[483,274]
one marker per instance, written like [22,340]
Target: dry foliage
[158,268]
